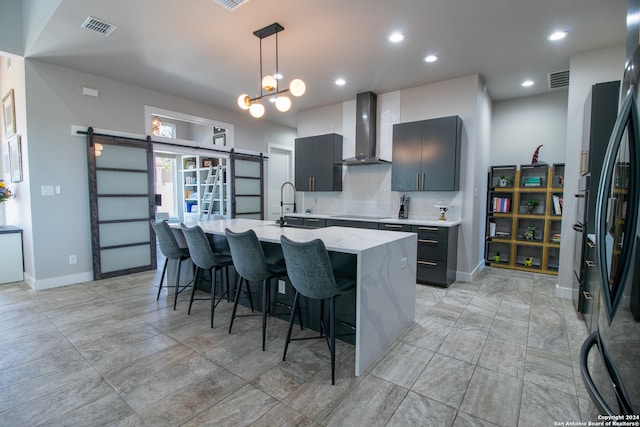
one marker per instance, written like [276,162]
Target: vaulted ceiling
[200,50]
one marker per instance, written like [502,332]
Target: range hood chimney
[366,105]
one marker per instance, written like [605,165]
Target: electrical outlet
[73,259]
[281,288]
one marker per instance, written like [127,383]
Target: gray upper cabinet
[426,155]
[318,165]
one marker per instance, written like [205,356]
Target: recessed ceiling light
[396,37]
[527,83]
[558,35]
[340,82]
[431,58]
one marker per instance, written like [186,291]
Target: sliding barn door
[121,204]
[247,178]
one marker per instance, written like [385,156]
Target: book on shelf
[557,205]
[492,229]
[532,181]
[501,204]
[503,234]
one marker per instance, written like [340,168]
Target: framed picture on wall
[15,158]
[9,114]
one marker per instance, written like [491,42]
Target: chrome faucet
[282,201]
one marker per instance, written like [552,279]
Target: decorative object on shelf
[555,237]
[443,210]
[531,205]
[528,261]
[270,82]
[496,257]
[505,181]
[530,234]
[9,114]
[403,213]
[534,159]
[5,192]
[15,158]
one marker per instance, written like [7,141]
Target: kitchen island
[384,263]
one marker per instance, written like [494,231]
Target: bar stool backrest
[309,268]
[248,256]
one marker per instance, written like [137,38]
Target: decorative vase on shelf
[496,257]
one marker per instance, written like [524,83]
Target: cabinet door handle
[423,181]
[587,295]
[428,228]
[432,264]
[392,226]
[589,263]
[313,220]
[432,242]
[417,180]
[313,180]
[310,188]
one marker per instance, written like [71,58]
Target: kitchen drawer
[430,233]
[432,272]
[432,249]
[314,222]
[394,227]
[352,224]
[294,221]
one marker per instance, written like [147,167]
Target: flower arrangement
[5,193]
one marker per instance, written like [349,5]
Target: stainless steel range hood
[366,104]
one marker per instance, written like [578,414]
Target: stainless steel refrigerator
[610,356]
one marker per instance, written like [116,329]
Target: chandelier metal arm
[257,98]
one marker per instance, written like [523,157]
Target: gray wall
[60,225]
[520,125]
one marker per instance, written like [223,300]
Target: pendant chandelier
[269,83]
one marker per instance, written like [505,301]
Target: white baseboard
[56,282]
[566,293]
[470,277]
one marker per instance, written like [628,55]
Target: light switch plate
[47,190]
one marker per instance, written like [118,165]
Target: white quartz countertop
[389,220]
[338,239]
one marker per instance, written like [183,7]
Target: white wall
[54,102]
[11,27]
[520,125]
[586,69]
[367,189]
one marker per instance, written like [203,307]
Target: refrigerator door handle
[596,397]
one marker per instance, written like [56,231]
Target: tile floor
[501,351]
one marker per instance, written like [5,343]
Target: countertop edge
[389,220]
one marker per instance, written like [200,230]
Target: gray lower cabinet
[353,224]
[304,222]
[437,254]
[426,155]
[318,165]
[394,227]
[437,246]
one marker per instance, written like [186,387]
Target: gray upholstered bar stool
[205,258]
[252,266]
[311,274]
[173,247]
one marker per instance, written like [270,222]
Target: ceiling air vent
[559,79]
[99,26]
[231,4]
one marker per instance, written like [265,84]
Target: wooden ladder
[209,192]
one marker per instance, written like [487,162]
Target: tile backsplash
[366,190]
